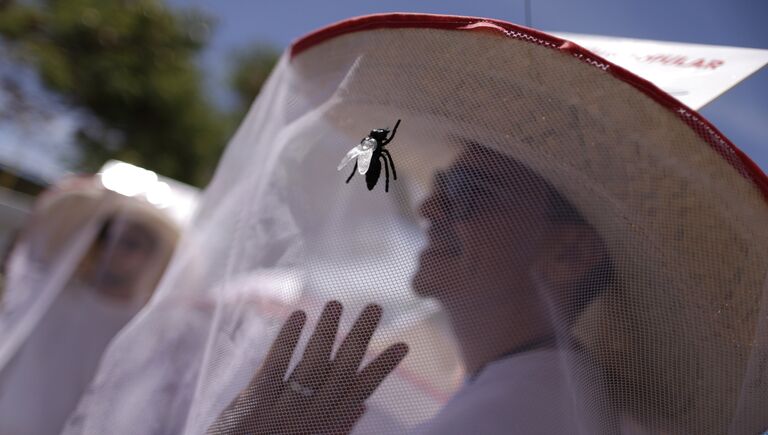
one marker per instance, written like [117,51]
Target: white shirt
[527,393]
[44,381]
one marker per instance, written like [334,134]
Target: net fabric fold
[560,251]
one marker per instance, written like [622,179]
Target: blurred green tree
[250,68]
[130,67]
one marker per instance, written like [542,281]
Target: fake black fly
[369,155]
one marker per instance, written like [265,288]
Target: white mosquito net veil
[86,262]
[557,245]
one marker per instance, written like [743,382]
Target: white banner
[695,74]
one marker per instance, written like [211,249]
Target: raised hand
[325,393]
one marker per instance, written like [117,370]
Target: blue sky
[741,114]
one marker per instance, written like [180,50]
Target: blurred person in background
[85,264]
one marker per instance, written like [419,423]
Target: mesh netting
[559,251]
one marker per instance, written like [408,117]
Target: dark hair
[103,234]
[598,279]
[109,223]
[560,211]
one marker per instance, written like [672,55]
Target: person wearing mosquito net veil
[85,264]
[597,248]
[499,238]
[570,314]
[514,264]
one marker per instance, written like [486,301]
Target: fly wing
[354,152]
[364,161]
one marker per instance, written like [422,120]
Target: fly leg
[353,172]
[391,162]
[392,136]
[386,172]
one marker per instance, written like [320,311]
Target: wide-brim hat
[75,202]
[682,211]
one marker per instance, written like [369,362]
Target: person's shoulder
[520,394]
[535,369]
